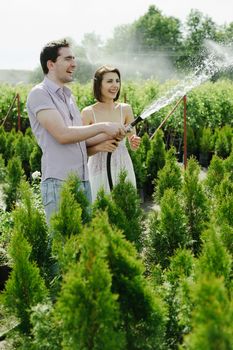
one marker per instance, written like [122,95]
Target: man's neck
[55,80]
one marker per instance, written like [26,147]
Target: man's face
[64,66]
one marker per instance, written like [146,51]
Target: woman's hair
[98,77]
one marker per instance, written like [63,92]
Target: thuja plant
[87,308]
[155,160]
[2,142]
[126,198]
[168,230]
[212,316]
[2,169]
[105,301]
[30,221]
[195,203]
[214,258]
[175,290]
[23,146]
[224,202]
[123,209]
[25,286]
[139,160]
[215,175]
[169,176]
[14,175]
[74,185]
[9,150]
[35,159]
[65,227]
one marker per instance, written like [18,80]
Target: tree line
[153,46]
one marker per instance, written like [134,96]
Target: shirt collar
[55,88]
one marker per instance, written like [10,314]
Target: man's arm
[51,120]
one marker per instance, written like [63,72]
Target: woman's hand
[107,146]
[134,142]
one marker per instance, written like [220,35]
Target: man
[56,123]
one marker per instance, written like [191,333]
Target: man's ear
[50,65]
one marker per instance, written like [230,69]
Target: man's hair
[51,52]
[98,77]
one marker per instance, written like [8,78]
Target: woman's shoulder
[125,106]
[87,114]
[87,109]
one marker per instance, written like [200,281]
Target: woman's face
[110,86]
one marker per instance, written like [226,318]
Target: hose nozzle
[131,125]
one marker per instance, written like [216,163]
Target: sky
[26,25]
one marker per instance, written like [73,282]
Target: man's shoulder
[38,90]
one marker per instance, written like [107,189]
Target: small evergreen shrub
[13,178]
[195,204]
[25,287]
[169,176]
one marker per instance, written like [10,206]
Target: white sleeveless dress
[97,166]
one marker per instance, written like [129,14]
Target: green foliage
[25,287]
[2,142]
[215,174]
[155,158]
[46,331]
[13,178]
[125,197]
[214,258]
[223,141]
[139,160]
[168,231]
[169,176]
[23,146]
[35,159]
[74,185]
[123,209]
[206,142]
[30,221]
[65,226]
[224,202]
[195,204]
[175,290]
[212,317]
[2,169]
[67,220]
[87,308]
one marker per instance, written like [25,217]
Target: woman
[106,89]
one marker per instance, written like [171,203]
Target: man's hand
[115,130]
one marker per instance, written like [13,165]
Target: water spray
[218,59]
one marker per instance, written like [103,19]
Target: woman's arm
[134,140]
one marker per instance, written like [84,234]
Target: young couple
[74,142]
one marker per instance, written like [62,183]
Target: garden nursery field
[119,276]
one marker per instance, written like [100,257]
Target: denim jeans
[50,190]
